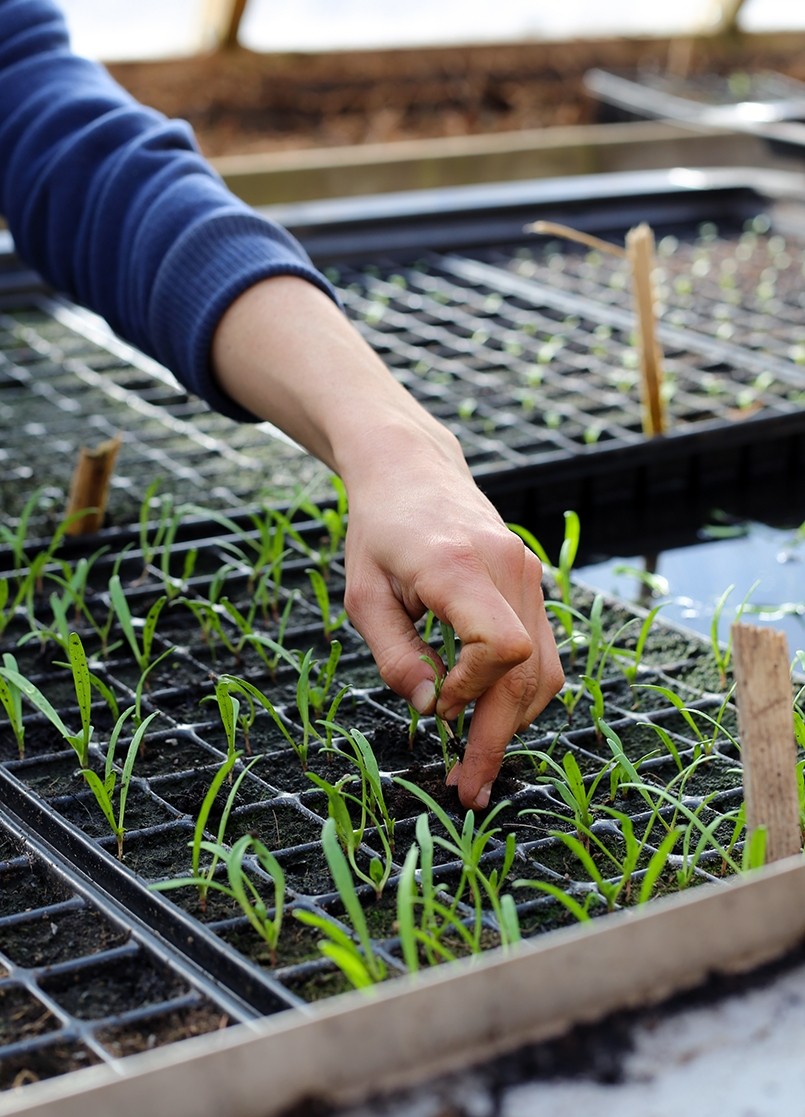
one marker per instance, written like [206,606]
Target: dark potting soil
[58,936]
[116,985]
[161,1029]
[48,1060]
[27,887]
[22,1016]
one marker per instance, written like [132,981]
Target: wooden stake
[766,727]
[640,251]
[89,488]
[553,228]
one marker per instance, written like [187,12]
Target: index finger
[506,708]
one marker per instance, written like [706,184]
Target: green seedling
[371,804]
[363,967]
[11,701]
[427,926]
[350,833]
[579,911]
[203,879]
[704,742]
[333,519]
[449,739]
[468,846]
[141,649]
[799,702]
[633,660]
[239,886]
[358,750]
[229,709]
[431,928]
[722,654]
[330,621]
[82,681]
[560,571]
[576,793]
[104,789]
[158,539]
[70,608]
[305,696]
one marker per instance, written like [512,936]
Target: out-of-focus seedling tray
[525,346]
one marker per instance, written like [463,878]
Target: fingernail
[452,714]
[424,696]
[452,775]
[483,796]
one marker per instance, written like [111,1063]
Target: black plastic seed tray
[523,345]
[279,802]
[81,981]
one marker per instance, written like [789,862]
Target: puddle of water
[765,565]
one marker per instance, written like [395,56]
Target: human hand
[422,536]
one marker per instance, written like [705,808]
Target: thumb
[406,663]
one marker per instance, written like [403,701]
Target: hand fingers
[505,709]
[406,663]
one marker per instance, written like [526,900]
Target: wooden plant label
[768,747]
[90,486]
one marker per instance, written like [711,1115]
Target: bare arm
[421,534]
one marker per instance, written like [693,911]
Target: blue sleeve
[114,205]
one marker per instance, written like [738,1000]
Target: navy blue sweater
[114,205]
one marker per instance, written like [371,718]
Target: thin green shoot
[11,701]
[104,789]
[468,846]
[240,887]
[82,682]
[330,620]
[722,654]
[575,792]
[363,967]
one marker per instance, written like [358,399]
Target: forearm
[285,352]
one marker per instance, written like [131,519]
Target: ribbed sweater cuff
[216,260]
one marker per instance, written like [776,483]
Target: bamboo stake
[640,252]
[89,489]
[766,728]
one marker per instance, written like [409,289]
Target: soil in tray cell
[142,811]
[46,1061]
[278,825]
[178,751]
[28,887]
[162,1029]
[187,792]
[160,853]
[297,944]
[22,1015]
[306,871]
[316,982]
[284,771]
[41,739]
[110,987]
[59,937]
